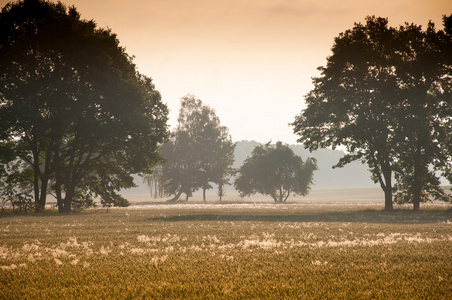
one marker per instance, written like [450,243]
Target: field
[313,248]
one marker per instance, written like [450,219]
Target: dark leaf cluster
[386,95]
[275,171]
[77,117]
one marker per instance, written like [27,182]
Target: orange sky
[250,60]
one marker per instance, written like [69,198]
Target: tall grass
[228,251]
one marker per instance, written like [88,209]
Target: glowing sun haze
[252,61]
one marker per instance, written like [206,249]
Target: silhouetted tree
[200,151]
[385,95]
[154,182]
[76,115]
[275,171]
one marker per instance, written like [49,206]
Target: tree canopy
[77,117]
[385,94]
[200,152]
[275,171]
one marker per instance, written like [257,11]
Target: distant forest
[354,175]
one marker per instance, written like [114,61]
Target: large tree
[76,114]
[275,171]
[380,95]
[199,153]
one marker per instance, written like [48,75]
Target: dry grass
[254,250]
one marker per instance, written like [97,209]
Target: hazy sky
[250,60]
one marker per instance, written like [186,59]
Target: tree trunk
[220,191]
[287,196]
[383,171]
[418,181]
[67,202]
[416,198]
[176,197]
[387,187]
[203,195]
[43,196]
[58,195]
[274,197]
[39,205]
[281,195]
[388,199]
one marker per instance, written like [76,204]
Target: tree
[380,95]
[154,182]
[76,115]
[200,151]
[275,171]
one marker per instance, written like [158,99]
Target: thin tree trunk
[387,187]
[388,199]
[67,202]
[416,196]
[58,194]
[274,197]
[220,191]
[417,183]
[287,196]
[176,197]
[38,203]
[43,195]
[203,195]
[280,194]
[383,171]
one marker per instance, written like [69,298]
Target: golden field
[307,249]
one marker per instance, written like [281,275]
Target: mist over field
[82,118]
[352,176]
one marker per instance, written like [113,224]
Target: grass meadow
[307,249]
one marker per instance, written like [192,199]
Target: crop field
[300,250]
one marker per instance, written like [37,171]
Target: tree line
[200,152]
[77,118]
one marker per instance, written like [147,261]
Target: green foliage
[275,171]
[82,202]
[200,152]
[384,94]
[75,112]
[116,201]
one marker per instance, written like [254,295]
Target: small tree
[199,153]
[275,171]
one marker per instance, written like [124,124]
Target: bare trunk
[416,202]
[58,196]
[203,195]
[274,197]
[383,171]
[287,196]
[387,186]
[418,181]
[38,203]
[280,194]
[176,197]
[416,196]
[67,202]
[220,191]
[388,199]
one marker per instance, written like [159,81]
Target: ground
[312,248]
